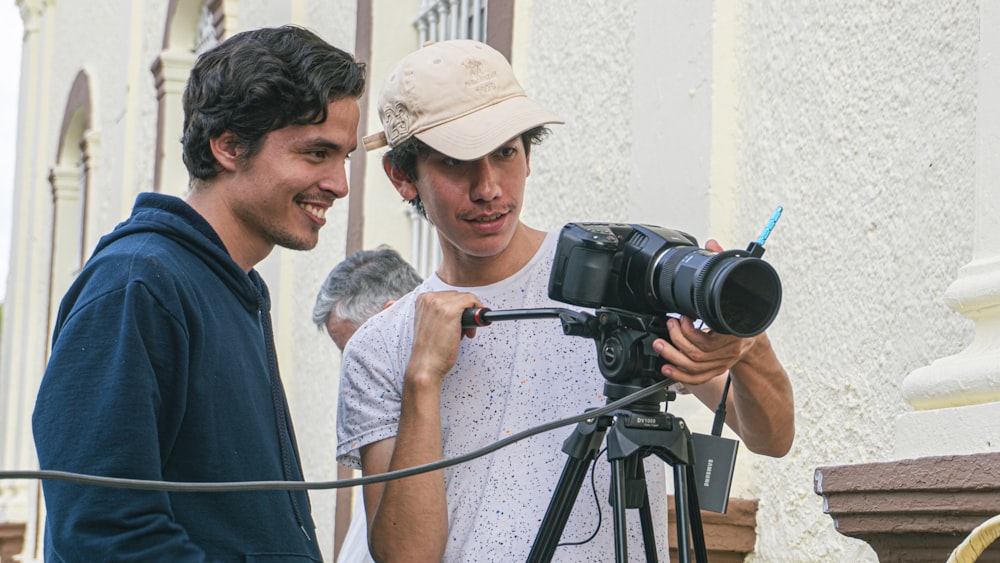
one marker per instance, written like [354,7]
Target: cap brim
[477,134]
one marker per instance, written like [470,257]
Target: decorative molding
[65,184]
[913,509]
[78,100]
[170,72]
[32,12]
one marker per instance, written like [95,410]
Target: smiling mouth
[488,218]
[315,211]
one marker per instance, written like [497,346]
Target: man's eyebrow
[319,142]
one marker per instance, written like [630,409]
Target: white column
[23,354]
[957,398]
[171,71]
[67,230]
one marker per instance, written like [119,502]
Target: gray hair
[361,285]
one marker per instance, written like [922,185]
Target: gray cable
[173,486]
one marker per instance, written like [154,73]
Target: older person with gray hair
[359,287]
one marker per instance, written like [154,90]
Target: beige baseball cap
[459,96]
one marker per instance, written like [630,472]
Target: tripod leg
[582,447]
[646,518]
[618,505]
[637,496]
[688,515]
[697,532]
[681,513]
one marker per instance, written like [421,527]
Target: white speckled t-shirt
[512,376]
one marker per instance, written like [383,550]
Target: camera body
[607,264]
[653,270]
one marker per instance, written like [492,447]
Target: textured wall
[570,59]
[859,119]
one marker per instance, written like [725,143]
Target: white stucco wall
[858,119]
[861,121]
[576,63]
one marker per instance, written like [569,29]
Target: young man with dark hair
[413,390]
[163,363]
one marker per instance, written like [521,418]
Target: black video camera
[652,270]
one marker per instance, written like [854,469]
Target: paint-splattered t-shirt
[511,377]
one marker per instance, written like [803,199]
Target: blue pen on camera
[756,248]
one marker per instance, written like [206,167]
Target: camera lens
[740,295]
[731,292]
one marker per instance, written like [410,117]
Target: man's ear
[226,151]
[400,180]
[388,303]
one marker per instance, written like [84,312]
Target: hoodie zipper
[280,411]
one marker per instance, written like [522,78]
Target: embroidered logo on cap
[480,79]
[396,119]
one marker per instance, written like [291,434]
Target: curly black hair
[258,81]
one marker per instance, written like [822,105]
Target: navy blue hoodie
[162,368]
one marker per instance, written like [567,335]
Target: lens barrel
[732,292]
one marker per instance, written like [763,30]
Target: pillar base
[963,430]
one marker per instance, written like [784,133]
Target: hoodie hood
[170,216]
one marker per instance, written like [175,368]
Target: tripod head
[624,342]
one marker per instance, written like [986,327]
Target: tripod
[629,364]
[631,435]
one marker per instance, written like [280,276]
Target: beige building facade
[875,126]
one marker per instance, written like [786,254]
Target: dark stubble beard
[273,231]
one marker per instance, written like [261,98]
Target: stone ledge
[913,510]
[729,537]
[11,540]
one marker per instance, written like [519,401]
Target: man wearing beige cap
[413,390]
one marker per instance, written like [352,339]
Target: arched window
[193,26]
[70,182]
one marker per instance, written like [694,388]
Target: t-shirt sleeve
[371,389]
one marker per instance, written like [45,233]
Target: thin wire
[192,487]
[597,501]
[720,412]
